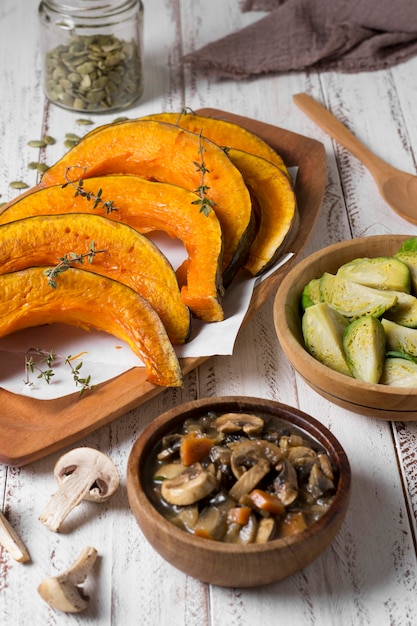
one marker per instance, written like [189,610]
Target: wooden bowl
[373,400]
[225,564]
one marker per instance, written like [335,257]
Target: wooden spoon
[398,188]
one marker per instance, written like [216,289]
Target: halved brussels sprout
[399,372]
[354,300]
[409,258]
[311,293]
[378,273]
[405,311]
[323,329]
[364,346]
[400,338]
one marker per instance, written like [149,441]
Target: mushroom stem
[82,474]
[11,541]
[62,592]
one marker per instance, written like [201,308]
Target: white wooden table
[369,574]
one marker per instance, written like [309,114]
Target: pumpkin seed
[49,140]
[37,143]
[18,184]
[40,167]
[72,137]
[94,73]
[84,122]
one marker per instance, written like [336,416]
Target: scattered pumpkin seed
[49,140]
[2,204]
[72,137]
[40,167]
[18,184]
[37,143]
[120,119]
[68,143]
[84,122]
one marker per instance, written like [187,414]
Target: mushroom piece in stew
[240,478]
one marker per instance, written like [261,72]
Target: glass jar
[92,53]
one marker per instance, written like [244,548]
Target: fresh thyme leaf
[49,358]
[206,205]
[78,185]
[67,262]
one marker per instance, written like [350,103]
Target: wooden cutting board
[31,429]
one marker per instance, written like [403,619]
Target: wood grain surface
[368,576]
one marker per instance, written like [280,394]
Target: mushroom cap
[193,484]
[62,592]
[248,453]
[104,474]
[235,422]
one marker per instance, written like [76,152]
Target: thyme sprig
[67,261]
[78,185]
[48,359]
[206,205]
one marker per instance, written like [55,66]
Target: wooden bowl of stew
[375,400]
[238,491]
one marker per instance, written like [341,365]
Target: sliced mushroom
[298,452]
[11,541]
[187,517]
[249,479]
[247,533]
[82,474]
[235,422]
[265,531]
[170,470]
[211,523]
[318,483]
[63,592]
[193,484]
[248,453]
[325,465]
[286,483]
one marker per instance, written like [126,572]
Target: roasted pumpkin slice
[166,153]
[90,301]
[275,199]
[226,134]
[104,247]
[146,206]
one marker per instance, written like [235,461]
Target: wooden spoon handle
[331,125]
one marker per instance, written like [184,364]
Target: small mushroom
[248,453]
[11,541]
[286,482]
[211,523]
[82,474]
[248,480]
[235,422]
[63,592]
[325,465]
[193,484]
[266,529]
[318,483]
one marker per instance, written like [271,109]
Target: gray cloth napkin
[338,35]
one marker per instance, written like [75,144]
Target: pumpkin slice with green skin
[275,198]
[121,253]
[146,206]
[226,134]
[89,300]
[166,153]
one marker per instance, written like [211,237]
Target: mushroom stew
[240,478]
